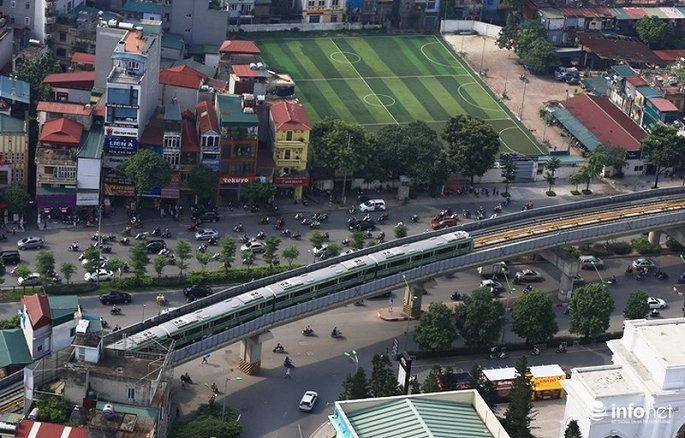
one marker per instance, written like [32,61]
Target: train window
[369,272]
[350,277]
[281,298]
[443,251]
[301,292]
[426,255]
[247,311]
[464,245]
[327,284]
[398,263]
[224,319]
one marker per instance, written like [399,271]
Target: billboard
[236,179]
[114,131]
[121,145]
[291,181]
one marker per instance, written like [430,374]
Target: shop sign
[125,190]
[291,181]
[112,162]
[121,145]
[111,131]
[235,179]
[87,198]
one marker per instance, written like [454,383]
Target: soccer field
[382,80]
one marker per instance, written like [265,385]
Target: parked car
[99,275]
[656,303]
[196,291]
[115,298]
[30,243]
[254,245]
[528,276]
[318,251]
[155,246]
[206,234]
[207,216]
[32,279]
[308,401]
[372,205]
[578,280]
[493,286]
[591,262]
[362,226]
[643,263]
[10,257]
[449,221]
[101,261]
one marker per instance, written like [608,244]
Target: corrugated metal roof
[580,132]
[634,13]
[672,13]
[648,92]
[656,12]
[551,13]
[13,348]
[623,70]
[597,85]
[620,14]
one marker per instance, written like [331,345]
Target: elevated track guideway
[261,305]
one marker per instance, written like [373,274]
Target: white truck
[496,270]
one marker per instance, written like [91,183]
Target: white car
[308,401]
[656,303]
[254,245]
[101,261]
[493,286]
[30,280]
[372,205]
[99,275]
[643,263]
[206,234]
[318,251]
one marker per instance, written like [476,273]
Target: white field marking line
[351,37]
[525,132]
[460,66]
[504,142]
[486,108]
[382,77]
[364,80]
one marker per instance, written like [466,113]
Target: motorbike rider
[115,309]
[335,332]
[279,347]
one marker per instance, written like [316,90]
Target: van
[372,205]
[591,262]
[10,257]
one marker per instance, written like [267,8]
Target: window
[61,53]
[286,154]
[322,2]
[4,178]
[122,96]
[27,21]
[289,136]
[28,5]
[72,332]
[186,30]
[122,115]
[131,392]
[132,65]
[61,97]
[172,142]
[243,150]
[334,18]
[40,348]
[233,7]
[210,156]
[315,19]
[310,3]
[172,159]
[638,168]
[242,168]
[13,4]
[334,2]
[64,172]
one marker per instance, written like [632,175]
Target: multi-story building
[181,85]
[48,323]
[322,11]
[190,152]
[240,12]
[234,52]
[209,133]
[75,30]
[197,22]
[89,170]
[14,151]
[73,86]
[39,16]
[290,130]
[239,144]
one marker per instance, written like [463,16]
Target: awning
[577,129]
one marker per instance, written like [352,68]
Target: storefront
[232,188]
[56,203]
[546,380]
[291,185]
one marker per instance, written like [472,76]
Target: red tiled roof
[83,58]
[188,114]
[289,115]
[62,131]
[606,121]
[635,13]
[636,81]
[244,71]
[618,48]
[35,429]
[38,309]
[189,141]
[663,105]
[669,55]
[587,12]
[76,79]
[65,108]
[238,46]
[217,84]
[181,76]
[153,135]
[207,118]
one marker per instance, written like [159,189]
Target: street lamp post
[353,355]
[99,241]
[344,198]
[143,317]
[482,57]
[411,307]
[523,99]
[597,271]
[223,407]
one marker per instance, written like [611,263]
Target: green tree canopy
[663,148]
[480,383]
[159,262]
[472,145]
[92,258]
[45,265]
[339,145]
[183,254]
[436,331]
[34,69]
[139,258]
[508,171]
[355,386]
[431,382]
[271,250]
[541,56]
[533,317]
[383,382]
[53,410]
[654,31]
[227,252]
[509,33]
[290,253]
[16,198]
[591,308]
[203,182]
[572,430]
[209,421]
[637,306]
[518,416]
[480,319]
[147,170]
[261,191]
[11,323]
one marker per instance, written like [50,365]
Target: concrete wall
[186,97]
[61,335]
[305,27]
[197,23]
[113,387]
[456,26]
[106,40]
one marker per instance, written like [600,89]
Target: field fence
[458,26]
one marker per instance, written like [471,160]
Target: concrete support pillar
[569,267]
[251,353]
[412,300]
[654,237]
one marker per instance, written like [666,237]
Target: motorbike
[161,300]
[286,233]
[261,235]
[192,227]
[528,288]
[336,334]
[126,232]
[156,232]
[279,349]
[536,351]
[346,241]
[359,303]
[320,217]
[215,389]
[308,332]
[166,234]
[661,275]
[315,225]
[296,236]
[382,218]
[456,296]
[125,241]
[115,311]
[681,279]
[351,210]
[306,221]
[141,236]
[213,241]
[498,353]
[126,268]
[244,238]
[640,275]
[299,216]
[264,220]
[288,363]
[202,247]
[106,249]
[381,237]
[612,280]
[466,213]
[185,378]
[561,348]
[74,247]
[238,228]
[414,218]
[654,313]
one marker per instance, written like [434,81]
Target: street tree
[159,262]
[431,382]
[572,430]
[183,254]
[614,157]
[45,265]
[480,383]
[551,167]
[147,170]
[271,250]
[16,198]
[358,240]
[34,69]
[53,409]
[317,239]
[576,179]
[508,172]
[400,231]
[261,191]
[472,145]
[22,270]
[227,252]
[383,382]
[209,420]
[509,33]
[637,306]
[115,264]
[290,253]
[92,257]
[333,249]
[541,56]
[340,146]
[11,323]
[355,386]
[533,317]
[203,182]
[436,331]
[591,308]
[663,148]
[480,319]
[139,259]
[248,258]
[518,415]
[203,258]
[655,32]
[550,179]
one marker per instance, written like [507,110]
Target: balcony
[56,157]
[51,178]
[50,8]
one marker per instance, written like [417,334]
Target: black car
[154,246]
[115,298]
[207,216]
[362,226]
[196,291]
[10,257]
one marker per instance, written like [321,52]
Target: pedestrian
[205,357]
[287,373]
[45,225]
[14,230]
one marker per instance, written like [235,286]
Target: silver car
[30,243]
